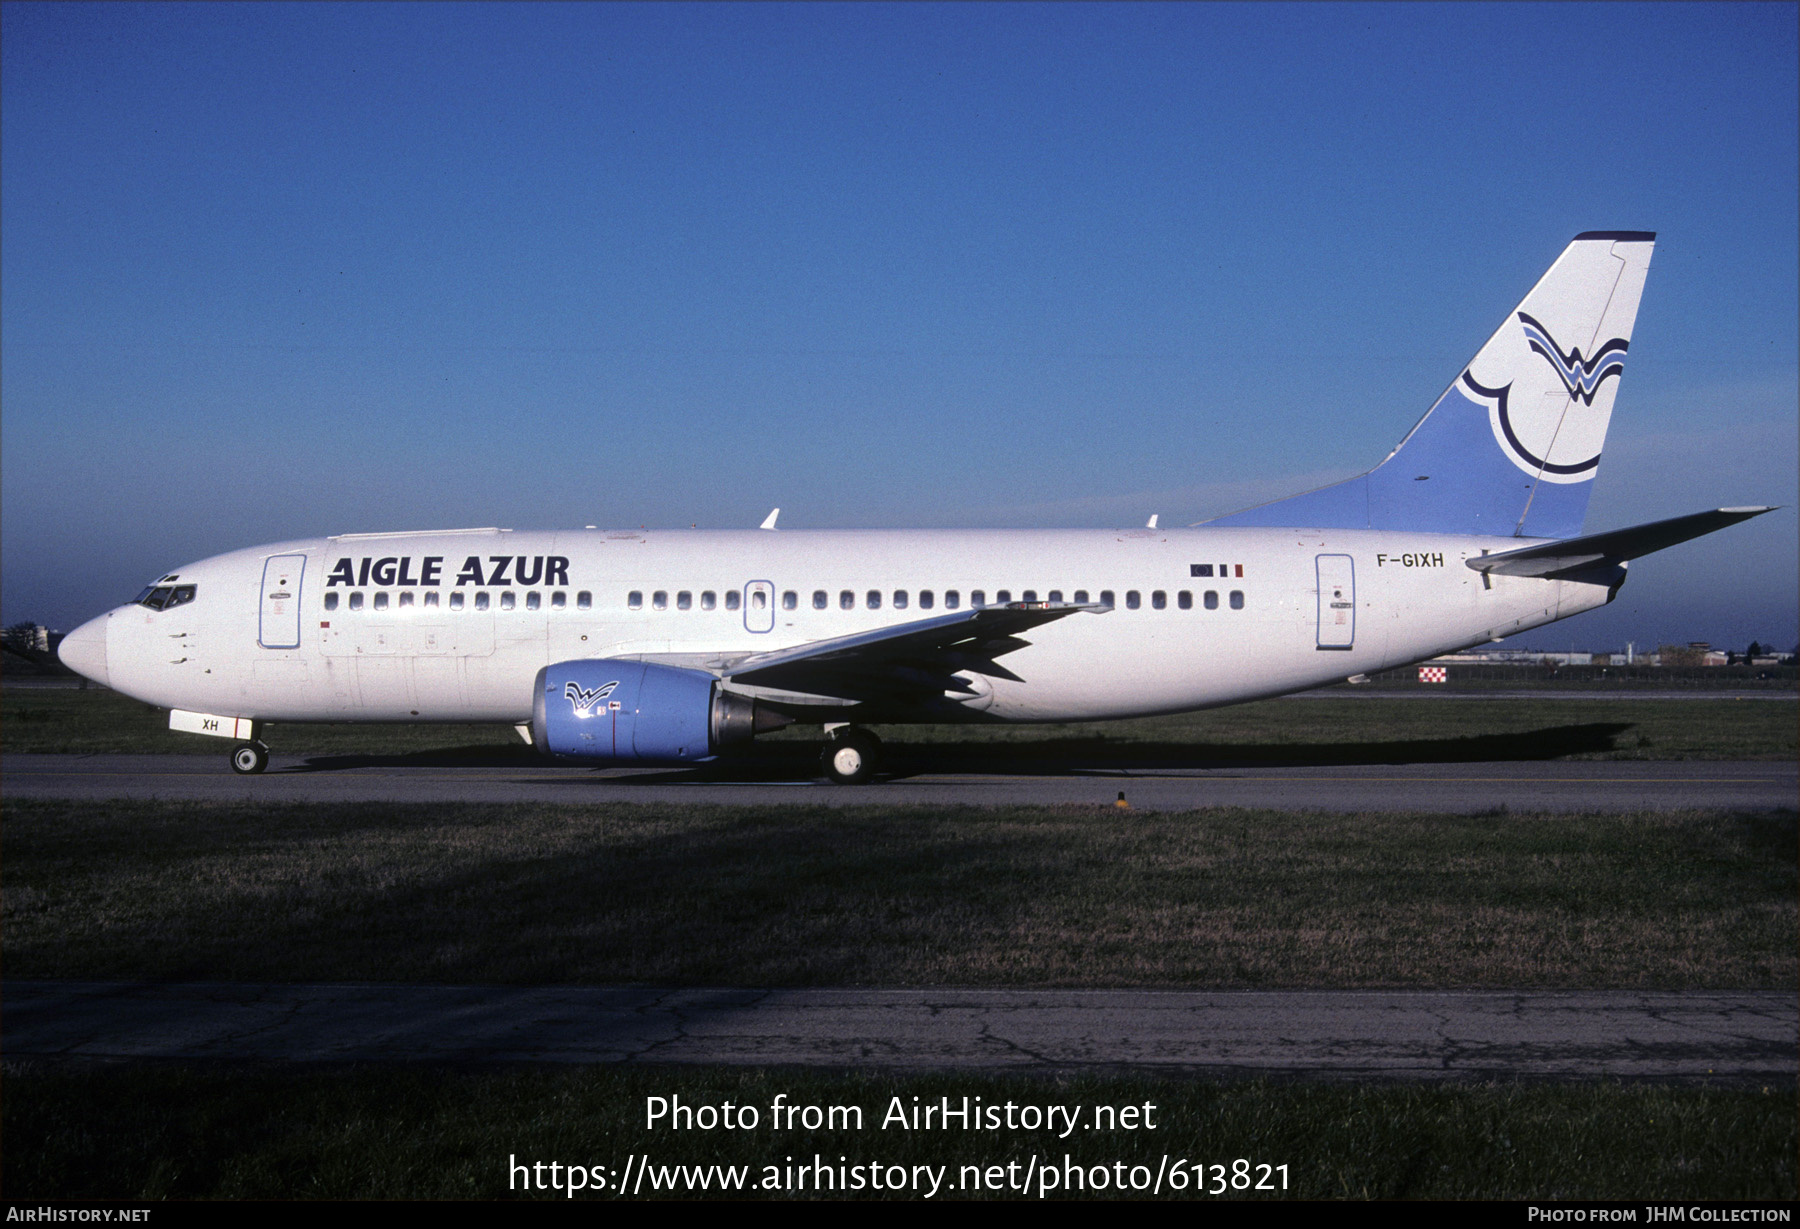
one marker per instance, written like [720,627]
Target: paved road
[1424,1035]
[1517,786]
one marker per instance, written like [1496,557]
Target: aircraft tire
[249,758]
[852,757]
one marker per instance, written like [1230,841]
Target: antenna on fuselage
[769,521]
[1151,523]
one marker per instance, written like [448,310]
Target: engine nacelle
[636,712]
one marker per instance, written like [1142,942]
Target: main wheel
[249,758]
[852,757]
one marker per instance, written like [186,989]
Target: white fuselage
[427,627]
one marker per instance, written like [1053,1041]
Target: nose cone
[84,650]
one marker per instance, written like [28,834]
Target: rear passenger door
[1337,601]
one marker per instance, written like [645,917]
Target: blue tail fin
[1512,446]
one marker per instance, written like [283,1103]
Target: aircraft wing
[1552,559]
[921,657]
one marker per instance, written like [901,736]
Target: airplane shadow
[1068,757]
[487,756]
[1055,757]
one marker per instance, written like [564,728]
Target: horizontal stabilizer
[1550,559]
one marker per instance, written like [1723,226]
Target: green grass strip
[822,896]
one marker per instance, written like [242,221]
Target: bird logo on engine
[583,699]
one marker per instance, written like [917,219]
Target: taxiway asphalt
[1731,1036]
[1715,1036]
[1553,786]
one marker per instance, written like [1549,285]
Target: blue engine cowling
[635,712]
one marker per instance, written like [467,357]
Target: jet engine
[636,712]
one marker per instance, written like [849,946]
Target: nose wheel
[249,758]
[851,757]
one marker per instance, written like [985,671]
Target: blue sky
[273,271]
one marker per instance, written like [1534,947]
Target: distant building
[1516,657]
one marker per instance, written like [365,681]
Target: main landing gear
[250,757]
[851,756]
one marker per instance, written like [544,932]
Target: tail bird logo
[1582,377]
[583,700]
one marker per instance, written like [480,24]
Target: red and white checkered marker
[1432,674]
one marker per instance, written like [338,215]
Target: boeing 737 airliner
[670,648]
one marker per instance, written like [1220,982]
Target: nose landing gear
[249,757]
[851,757]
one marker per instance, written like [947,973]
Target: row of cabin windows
[790,600]
[927,599]
[509,600]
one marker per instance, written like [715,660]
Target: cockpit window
[164,597]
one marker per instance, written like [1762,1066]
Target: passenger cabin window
[481,601]
[659,600]
[821,599]
[356,601]
[406,597]
[456,601]
[759,600]
[1030,595]
[381,600]
[925,601]
[790,600]
[1159,600]
[1212,599]
[1237,599]
[1185,600]
[708,599]
[1132,601]
[684,600]
[508,600]
[977,599]
[533,601]
[952,599]
[1003,597]
[1081,596]
[585,600]
[431,599]
[899,599]
[1106,598]
[732,600]
[846,600]
[633,600]
[331,601]
[874,599]
[558,600]
[1055,595]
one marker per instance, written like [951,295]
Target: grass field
[192,1131]
[682,894]
[1350,730]
[884,895]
